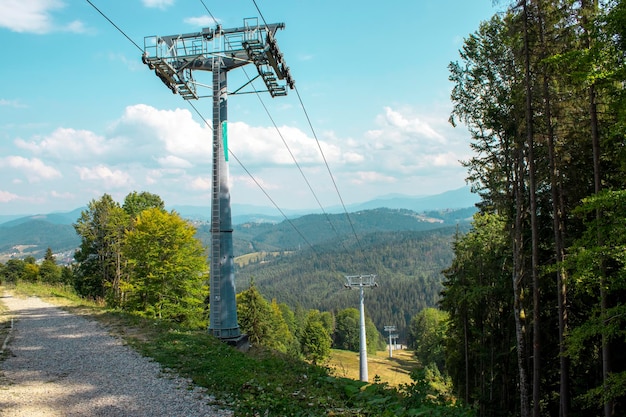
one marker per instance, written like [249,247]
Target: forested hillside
[408,266]
[313,229]
[34,236]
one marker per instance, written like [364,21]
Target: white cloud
[105,175]
[172,161]
[370,177]
[68,144]
[6,196]
[408,125]
[158,4]
[200,21]
[201,184]
[173,132]
[62,195]
[34,16]
[264,146]
[75,27]
[408,144]
[33,169]
[168,152]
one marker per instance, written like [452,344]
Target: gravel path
[60,364]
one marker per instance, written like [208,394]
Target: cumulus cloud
[406,143]
[111,178]
[33,169]
[6,196]
[68,144]
[200,21]
[169,153]
[371,177]
[34,16]
[158,4]
[407,125]
[201,184]
[171,131]
[171,161]
[264,146]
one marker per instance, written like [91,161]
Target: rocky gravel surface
[59,364]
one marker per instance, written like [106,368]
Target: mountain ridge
[32,235]
[243,213]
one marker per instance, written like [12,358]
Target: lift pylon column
[223,318]
[360,282]
[175,59]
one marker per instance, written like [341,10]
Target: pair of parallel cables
[284,142]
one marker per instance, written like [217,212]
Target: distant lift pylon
[174,59]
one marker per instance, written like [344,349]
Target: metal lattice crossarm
[174,58]
[360,281]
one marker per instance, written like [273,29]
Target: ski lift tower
[390,330]
[175,59]
[361,281]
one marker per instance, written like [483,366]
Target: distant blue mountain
[454,199]
[247,213]
[31,235]
[53,218]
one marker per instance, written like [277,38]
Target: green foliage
[101,228]
[26,270]
[135,203]
[315,341]
[477,297]
[599,258]
[141,258]
[409,265]
[49,271]
[167,268]
[347,334]
[13,270]
[431,394]
[254,314]
[428,337]
[282,339]
[30,271]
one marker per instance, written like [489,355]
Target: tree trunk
[591,7]
[595,138]
[559,228]
[533,215]
[518,275]
[466,348]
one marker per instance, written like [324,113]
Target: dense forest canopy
[408,266]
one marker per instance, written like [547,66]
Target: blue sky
[80,115]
